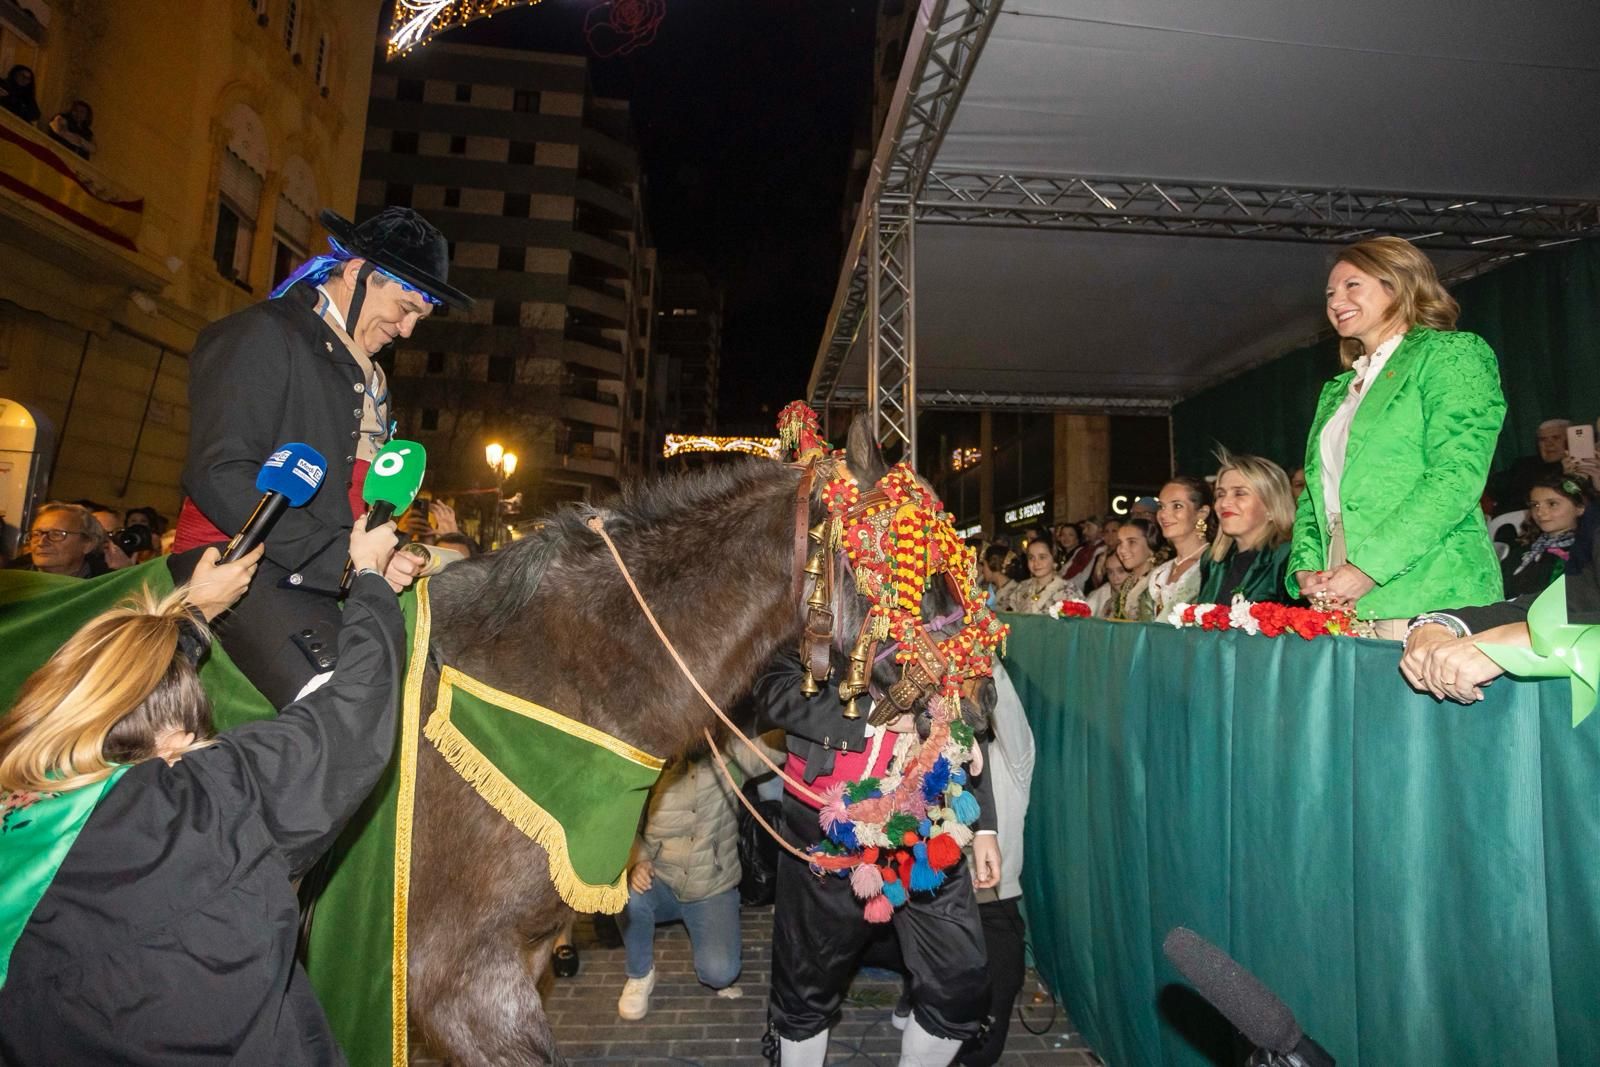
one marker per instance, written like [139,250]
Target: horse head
[893,606]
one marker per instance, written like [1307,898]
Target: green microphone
[391,485]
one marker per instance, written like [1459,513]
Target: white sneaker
[731,992]
[634,1004]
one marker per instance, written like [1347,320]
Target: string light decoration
[678,444]
[415,22]
[962,458]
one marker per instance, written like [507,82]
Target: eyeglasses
[55,537]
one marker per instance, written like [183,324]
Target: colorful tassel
[961,835]
[943,852]
[935,780]
[894,893]
[879,909]
[865,881]
[966,808]
[924,879]
[832,807]
[843,833]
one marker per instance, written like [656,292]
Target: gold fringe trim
[524,813]
[451,678]
[405,803]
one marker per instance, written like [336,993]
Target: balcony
[58,208]
[598,299]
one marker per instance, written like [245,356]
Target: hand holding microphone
[391,484]
[288,479]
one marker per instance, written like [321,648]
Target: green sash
[34,840]
[575,790]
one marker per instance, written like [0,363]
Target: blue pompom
[965,807]
[925,828]
[935,780]
[925,879]
[844,834]
[894,892]
[958,776]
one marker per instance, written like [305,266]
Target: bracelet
[369,570]
[1439,618]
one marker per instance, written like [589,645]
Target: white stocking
[808,1053]
[918,1048]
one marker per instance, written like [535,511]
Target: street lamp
[504,465]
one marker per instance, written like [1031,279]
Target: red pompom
[879,910]
[943,852]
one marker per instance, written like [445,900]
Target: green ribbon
[1558,648]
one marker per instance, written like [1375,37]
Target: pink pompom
[865,881]
[832,811]
[879,910]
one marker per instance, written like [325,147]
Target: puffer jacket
[691,825]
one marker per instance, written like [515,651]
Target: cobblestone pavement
[689,1025]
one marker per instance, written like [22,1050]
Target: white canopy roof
[1474,97]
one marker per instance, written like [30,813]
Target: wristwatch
[1439,618]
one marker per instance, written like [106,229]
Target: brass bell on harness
[819,595]
[808,684]
[851,711]
[815,565]
[819,531]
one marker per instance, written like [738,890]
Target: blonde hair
[1406,275]
[1267,480]
[104,699]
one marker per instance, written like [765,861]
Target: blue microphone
[288,479]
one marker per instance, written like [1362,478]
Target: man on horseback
[301,367]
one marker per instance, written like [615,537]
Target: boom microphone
[1251,1007]
[288,479]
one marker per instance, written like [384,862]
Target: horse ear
[861,451]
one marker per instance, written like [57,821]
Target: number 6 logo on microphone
[395,475]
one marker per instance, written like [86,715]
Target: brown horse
[552,620]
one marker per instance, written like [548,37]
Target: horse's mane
[485,595]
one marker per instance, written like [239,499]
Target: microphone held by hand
[288,479]
[391,485]
[1264,1020]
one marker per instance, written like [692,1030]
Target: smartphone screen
[1580,441]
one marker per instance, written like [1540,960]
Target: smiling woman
[1389,523]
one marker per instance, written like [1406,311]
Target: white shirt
[1336,433]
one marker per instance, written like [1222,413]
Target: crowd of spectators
[73,127]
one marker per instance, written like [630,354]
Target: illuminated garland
[677,444]
[415,22]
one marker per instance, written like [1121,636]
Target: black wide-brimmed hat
[400,242]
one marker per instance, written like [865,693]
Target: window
[522,153]
[463,94]
[450,252]
[525,100]
[503,369]
[238,203]
[435,362]
[430,418]
[324,54]
[291,24]
[452,198]
[458,146]
[291,237]
[396,195]
[409,89]
[516,206]
[404,142]
[512,258]
[507,313]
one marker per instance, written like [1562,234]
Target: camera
[133,539]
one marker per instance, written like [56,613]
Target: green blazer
[1263,578]
[1414,471]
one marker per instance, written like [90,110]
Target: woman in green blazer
[1399,450]
[1255,513]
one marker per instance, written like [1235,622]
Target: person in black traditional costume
[300,367]
[148,915]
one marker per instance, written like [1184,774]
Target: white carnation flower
[1241,619]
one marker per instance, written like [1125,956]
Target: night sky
[744,114]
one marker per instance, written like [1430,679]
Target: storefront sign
[1119,504]
[975,530]
[1023,512]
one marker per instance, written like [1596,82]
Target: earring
[1201,527]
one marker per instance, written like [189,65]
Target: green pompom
[862,790]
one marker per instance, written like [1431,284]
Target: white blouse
[1336,432]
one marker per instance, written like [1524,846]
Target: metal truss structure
[1044,403]
[946,39]
[1270,212]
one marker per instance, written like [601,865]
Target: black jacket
[168,935]
[262,377]
[815,727]
[1583,592]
